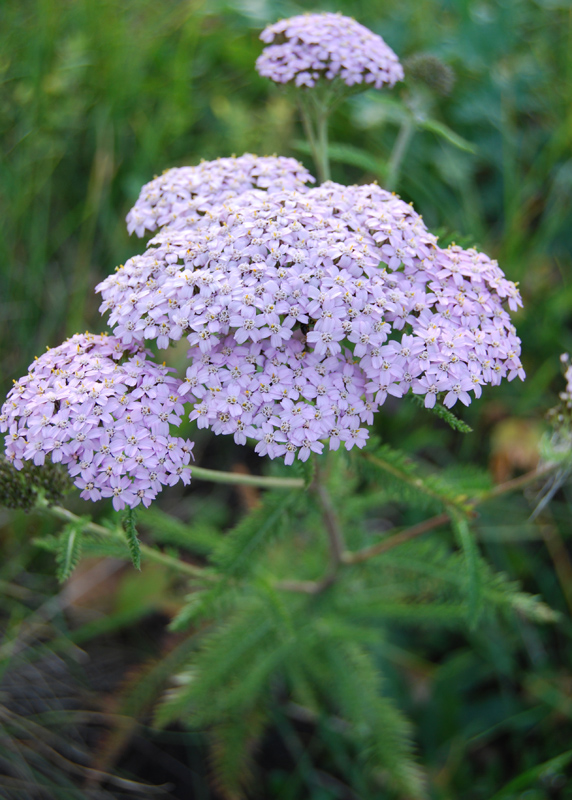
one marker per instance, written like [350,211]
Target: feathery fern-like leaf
[236,555]
[407,479]
[233,743]
[383,732]
[444,414]
[193,537]
[474,584]
[69,548]
[128,524]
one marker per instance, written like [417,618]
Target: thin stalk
[333,529]
[398,538]
[315,121]
[324,165]
[400,147]
[237,478]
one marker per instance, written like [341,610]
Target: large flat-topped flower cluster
[104,410]
[305,310]
[309,47]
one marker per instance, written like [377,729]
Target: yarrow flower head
[304,311]
[182,195]
[103,410]
[310,47]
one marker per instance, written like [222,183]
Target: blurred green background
[98,97]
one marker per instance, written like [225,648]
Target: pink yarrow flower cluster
[304,311]
[182,195]
[104,410]
[310,47]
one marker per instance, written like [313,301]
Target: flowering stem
[324,165]
[402,142]
[237,478]
[118,534]
[315,121]
[333,529]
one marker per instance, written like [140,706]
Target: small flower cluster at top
[314,46]
[103,410]
[305,310]
[182,195]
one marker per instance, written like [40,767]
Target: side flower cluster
[305,310]
[103,410]
[182,195]
[310,47]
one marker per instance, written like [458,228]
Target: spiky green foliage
[237,554]
[69,549]
[408,481]
[271,646]
[307,470]
[471,563]
[128,523]
[196,537]
[272,640]
[443,413]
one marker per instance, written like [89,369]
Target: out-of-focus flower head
[430,70]
[182,195]
[305,310]
[310,47]
[561,415]
[103,410]
[556,444]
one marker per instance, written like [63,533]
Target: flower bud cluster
[19,488]
[309,47]
[305,310]
[103,410]
[180,196]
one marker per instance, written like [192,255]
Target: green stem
[237,478]
[324,165]
[315,121]
[157,556]
[399,149]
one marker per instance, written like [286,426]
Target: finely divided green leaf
[237,553]
[194,537]
[69,548]
[444,414]
[128,523]
[446,133]
[474,584]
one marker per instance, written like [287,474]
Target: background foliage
[96,98]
